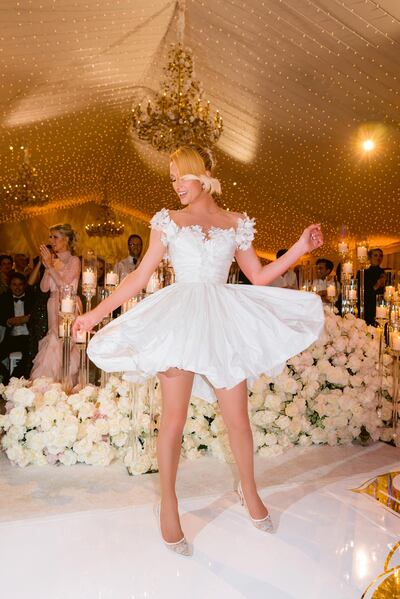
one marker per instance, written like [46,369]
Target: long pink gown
[49,357]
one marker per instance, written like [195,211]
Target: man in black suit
[15,313]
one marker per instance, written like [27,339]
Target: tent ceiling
[294,82]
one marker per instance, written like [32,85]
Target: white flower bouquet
[327,394]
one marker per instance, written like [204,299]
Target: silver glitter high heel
[264,524]
[180,547]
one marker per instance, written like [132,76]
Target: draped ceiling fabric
[298,83]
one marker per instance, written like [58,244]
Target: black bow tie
[134,260]
[19,299]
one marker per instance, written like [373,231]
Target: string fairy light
[294,84]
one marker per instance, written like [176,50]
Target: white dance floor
[89,533]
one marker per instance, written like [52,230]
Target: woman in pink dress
[62,268]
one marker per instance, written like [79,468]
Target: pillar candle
[88,277]
[111,278]
[382,312]
[331,290]
[395,340]
[348,268]
[67,305]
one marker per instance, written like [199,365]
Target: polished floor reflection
[89,533]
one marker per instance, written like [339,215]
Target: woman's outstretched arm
[130,286]
[258,274]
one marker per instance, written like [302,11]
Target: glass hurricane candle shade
[67,299]
[382,311]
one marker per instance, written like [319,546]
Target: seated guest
[21,264]
[15,313]
[6,264]
[128,264]
[374,284]
[288,279]
[324,268]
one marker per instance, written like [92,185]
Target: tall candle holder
[83,373]
[346,277]
[332,292]
[394,344]
[89,277]
[350,296]
[141,444]
[382,317]
[362,257]
[67,316]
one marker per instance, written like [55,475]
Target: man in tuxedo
[131,262]
[15,313]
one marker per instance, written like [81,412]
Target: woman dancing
[202,332]
[61,268]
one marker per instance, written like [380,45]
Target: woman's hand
[311,238]
[84,323]
[46,256]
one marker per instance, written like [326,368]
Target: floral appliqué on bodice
[197,256]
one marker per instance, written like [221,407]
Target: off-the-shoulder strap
[245,232]
[161,221]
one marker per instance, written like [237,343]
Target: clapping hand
[312,238]
[46,256]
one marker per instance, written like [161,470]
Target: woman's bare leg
[233,405]
[176,388]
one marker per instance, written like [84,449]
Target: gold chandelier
[178,114]
[26,190]
[106,224]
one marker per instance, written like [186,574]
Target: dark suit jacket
[7,307]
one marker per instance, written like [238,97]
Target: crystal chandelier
[106,224]
[26,190]
[178,114]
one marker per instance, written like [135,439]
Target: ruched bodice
[223,333]
[198,256]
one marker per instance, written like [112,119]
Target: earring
[203,186]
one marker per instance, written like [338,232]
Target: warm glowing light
[368,145]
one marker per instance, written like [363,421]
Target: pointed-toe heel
[264,524]
[179,547]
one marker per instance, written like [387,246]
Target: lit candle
[362,252]
[111,278]
[352,294]
[389,292]
[314,289]
[395,340]
[331,290]
[67,305]
[88,277]
[80,336]
[343,247]
[348,268]
[382,312]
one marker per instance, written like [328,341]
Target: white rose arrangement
[326,394]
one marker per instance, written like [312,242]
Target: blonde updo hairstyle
[198,161]
[68,232]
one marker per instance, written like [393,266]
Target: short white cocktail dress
[223,333]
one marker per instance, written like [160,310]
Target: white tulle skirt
[222,333]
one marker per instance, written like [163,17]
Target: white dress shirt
[125,266]
[19,310]
[288,280]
